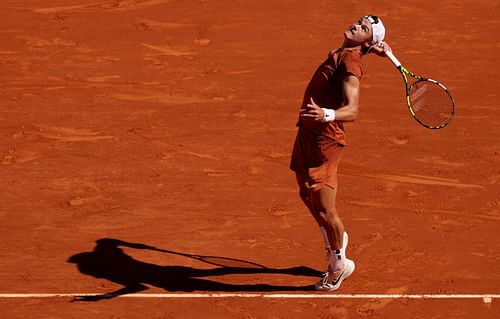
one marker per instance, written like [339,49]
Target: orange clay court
[139,137]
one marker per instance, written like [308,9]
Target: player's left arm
[346,113]
[349,111]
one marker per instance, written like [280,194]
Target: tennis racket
[429,101]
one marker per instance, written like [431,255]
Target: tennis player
[331,98]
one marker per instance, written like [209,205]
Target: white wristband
[328,115]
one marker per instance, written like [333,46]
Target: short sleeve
[352,64]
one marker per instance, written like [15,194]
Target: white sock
[327,242]
[344,245]
[336,260]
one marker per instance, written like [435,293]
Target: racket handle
[393,59]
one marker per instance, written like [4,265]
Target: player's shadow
[108,261]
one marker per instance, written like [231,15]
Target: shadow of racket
[216,260]
[107,244]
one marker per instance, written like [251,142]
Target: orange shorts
[316,158]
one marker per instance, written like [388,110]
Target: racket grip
[393,59]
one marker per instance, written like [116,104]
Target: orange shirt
[326,89]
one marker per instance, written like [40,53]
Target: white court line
[487,298]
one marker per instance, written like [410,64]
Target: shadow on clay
[108,261]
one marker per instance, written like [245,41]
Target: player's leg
[323,199]
[324,159]
[339,267]
[323,196]
[306,197]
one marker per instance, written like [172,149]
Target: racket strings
[431,104]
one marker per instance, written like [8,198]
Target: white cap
[378,28]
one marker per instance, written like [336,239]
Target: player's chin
[351,39]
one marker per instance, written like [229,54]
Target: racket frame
[404,72]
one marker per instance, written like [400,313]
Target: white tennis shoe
[332,282]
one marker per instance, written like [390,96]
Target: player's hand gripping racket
[430,102]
